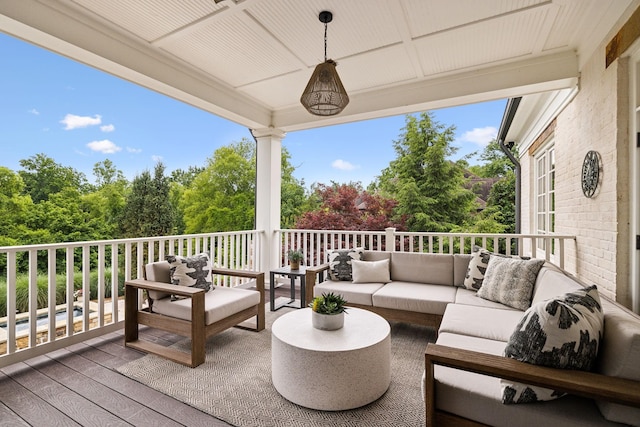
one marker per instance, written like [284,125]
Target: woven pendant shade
[324,94]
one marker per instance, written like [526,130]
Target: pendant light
[324,94]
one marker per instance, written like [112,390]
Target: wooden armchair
[198,316]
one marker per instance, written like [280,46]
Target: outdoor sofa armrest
[184,291]
[310,281]
[587,384]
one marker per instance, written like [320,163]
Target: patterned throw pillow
[340,263]
[563,332]
[510,281]
[194,271]
[477,268]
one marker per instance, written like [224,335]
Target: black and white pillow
[563,332]
[194,271]
[477,267]
[340,262]
[510,281]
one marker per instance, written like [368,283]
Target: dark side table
[293,275]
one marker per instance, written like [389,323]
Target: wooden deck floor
[79,385]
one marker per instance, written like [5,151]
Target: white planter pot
[327,322]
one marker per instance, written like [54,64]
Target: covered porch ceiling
[249,60]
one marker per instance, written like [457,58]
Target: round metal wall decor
[590,173]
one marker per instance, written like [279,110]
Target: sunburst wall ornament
[325,95]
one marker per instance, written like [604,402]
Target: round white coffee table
[331,370]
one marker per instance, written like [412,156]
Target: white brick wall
[597,119]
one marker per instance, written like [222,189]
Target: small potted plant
[295,257]
[327,311]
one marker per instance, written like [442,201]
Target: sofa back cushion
[375,255]
[433,269]
[620,357]
[460,266]
[552,282]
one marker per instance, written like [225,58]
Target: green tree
[293,197]
[42,176]
[104,205]
[148,211]
[428,186]
[179,181]
[14,208]
[222,196]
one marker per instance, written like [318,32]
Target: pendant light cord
[325,42]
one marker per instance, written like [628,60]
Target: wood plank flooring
[79,386]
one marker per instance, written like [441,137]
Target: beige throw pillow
[371,271]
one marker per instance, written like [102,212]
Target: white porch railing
[315,243]
[66,273]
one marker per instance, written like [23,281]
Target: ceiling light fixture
[324,94]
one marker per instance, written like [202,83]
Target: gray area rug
[234,383]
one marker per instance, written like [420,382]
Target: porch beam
[540,74]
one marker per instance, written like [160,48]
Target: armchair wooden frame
[586,384]
[195,329]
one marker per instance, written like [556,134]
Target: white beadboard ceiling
[249,60]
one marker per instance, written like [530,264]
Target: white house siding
[596,119]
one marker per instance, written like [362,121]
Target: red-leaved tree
[349,207]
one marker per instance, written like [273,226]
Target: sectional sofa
[467,376]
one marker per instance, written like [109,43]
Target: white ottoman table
[331,370]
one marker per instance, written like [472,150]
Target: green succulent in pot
[329,304]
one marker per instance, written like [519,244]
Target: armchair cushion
[222,303]
[194,271]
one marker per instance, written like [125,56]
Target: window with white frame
[545,193]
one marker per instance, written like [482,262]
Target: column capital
[268,132]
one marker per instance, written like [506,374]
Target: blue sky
[80,116]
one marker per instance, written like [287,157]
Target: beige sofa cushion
[477,397]
[370,271]
[417,297]
[434,269]
[355,293]
[219,302]
[552,283]
[470,297]
[473,320]
[460,266]
[620,357]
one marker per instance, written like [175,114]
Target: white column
[268,193]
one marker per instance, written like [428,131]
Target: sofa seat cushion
[219,303]
[355,293]
[416,297]
[620,357]
[436,269]
[470,297]
[491,323]
[478,397]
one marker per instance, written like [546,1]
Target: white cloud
[71,121]
[107,128]
[156,158]
[34,112]
[481,136]
[343,165]
[134,150]
[105,146]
